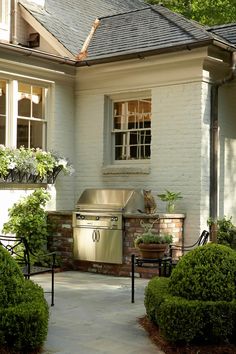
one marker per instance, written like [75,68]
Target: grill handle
[94,236]
[97,235]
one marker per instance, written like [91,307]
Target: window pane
[37,102]
[22,133]
[24,100]
[2,130]
[2,112]
[133,120]
[1,11]
[31,107]
[36,134]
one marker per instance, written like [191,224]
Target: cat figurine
[149,202]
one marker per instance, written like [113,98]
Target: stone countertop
[155,216]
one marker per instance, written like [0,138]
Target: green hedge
[23,309]
[198,301]
[206,273]
[185,321]
[155,294]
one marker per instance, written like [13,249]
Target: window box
[31,166]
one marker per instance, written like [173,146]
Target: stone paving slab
[93,314]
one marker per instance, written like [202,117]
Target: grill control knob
[97,218]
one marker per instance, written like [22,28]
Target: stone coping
[60,212]
[153,216]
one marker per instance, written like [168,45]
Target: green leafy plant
[151,238]
[31,165]
[170,198]
[28,218]
[148,237]
[226,231]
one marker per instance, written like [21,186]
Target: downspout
[214,148]
[83,53]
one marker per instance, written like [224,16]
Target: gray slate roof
[127,27]
[70,21]
[228,32]
[151,28]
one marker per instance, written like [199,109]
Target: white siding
[227,153]
[60,132]
[180,131]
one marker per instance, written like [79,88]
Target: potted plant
[152,245]
[170,198]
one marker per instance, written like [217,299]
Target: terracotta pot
[152,250]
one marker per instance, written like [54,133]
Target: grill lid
[123,200]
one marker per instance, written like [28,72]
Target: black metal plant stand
[164,266]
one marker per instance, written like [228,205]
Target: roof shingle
[143,30]
[70,21]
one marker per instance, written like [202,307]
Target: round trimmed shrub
[205,273]
[197,304]
[23,309]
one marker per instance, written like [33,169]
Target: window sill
[125,170]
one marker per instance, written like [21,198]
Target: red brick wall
[61,240]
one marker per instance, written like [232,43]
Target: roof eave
[144,53]
[29,52]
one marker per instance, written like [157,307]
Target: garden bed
[168,348]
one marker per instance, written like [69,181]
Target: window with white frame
[131,131]
[2,112]
[4,10]
[22,114]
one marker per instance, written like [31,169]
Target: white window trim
[12,108]
[112,166]
[4,24]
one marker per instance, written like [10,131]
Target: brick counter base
[61,240]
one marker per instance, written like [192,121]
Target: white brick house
[89,85]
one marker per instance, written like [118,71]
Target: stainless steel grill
[98,223]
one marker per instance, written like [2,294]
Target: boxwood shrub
[23,309]
[197,303]
[206,273]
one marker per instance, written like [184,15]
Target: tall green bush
[28,218]
[23,309]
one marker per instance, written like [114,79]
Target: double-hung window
[22,114]
[31,123]
[131,131]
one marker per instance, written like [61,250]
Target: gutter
[137,54]
[28,52]
[214,148]
[150,52]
